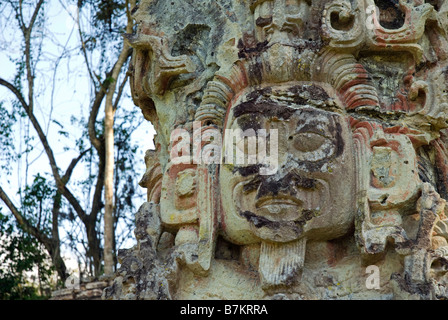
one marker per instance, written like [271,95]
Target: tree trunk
[109,230]
[109,191]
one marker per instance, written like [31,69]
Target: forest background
[72,142]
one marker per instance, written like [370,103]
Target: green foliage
[23,260]
[126,188]
[25,272]
[124,162]
[37,202]
[107,19]
[102,24]
[7,121]
[106,14]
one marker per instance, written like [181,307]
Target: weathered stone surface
[62,293]
[84,290]
[96,285]
[300,150]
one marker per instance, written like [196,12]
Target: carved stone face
[285,43]
[312,192]
[280,19]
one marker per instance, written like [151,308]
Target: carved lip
[279,200]
[283,209]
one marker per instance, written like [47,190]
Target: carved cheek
[236,228]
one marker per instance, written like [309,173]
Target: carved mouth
[279,208]
[277,201]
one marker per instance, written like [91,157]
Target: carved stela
[300,150]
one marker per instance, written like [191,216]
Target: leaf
[58,123]
[109,80]
[63,133]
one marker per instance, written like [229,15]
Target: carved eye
[247,142]
[310,146]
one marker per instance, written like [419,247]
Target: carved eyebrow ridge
[267,108]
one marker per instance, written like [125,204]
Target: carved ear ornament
[405,37]
[342,25]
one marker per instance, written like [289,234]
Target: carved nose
[277,21]
[286,186]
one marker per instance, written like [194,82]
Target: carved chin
[279,231]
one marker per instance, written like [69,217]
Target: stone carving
[338,111]
[293,205]
[156,76]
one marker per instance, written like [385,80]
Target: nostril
[262,21]
[306,183]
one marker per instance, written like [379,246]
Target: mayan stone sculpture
[300,150]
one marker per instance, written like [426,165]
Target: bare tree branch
[73,164]
[84,53]
[99,96]
[34,16]
[23,222]
[16,92]
[27,35]
[109,150]
[120,92]
[43,138]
